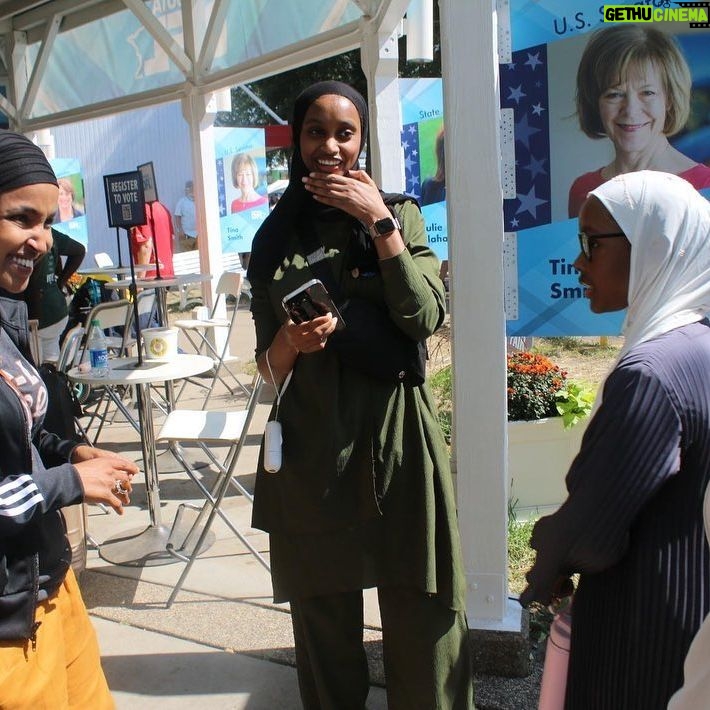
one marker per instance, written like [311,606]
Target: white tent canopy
[71,59]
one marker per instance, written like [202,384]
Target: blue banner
[423,145]
[70,217]
[240,156]
[555,164]
[534,22]
[551,300]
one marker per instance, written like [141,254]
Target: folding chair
[103,260]
[147,304]
[200,332]
[33,326]
[207,428]
[68,358]
[111,315]
[71,346]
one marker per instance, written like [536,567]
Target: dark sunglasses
[585,239]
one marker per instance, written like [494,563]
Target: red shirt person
[158,221]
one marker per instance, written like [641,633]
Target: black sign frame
[150,189]
[129,209]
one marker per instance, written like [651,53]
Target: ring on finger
[119,489]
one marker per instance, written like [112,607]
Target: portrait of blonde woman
[245,177]
[634,89]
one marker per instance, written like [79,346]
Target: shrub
[534,383]
[440,383]
[537,388]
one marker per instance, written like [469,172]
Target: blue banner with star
[551,153]
[524,90]
[423,145]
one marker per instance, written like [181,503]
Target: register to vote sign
[125,200]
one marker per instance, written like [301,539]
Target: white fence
[188,262]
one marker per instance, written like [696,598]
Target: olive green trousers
[425,648]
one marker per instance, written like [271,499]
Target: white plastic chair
[112,314]
[200,332]
[147,304]
[69,356]
[207,429]
[103,260]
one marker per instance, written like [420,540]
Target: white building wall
[120,143]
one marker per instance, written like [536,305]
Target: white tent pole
[200,125]
[475,226]
[379,58]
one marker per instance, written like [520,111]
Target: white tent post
[475,228]
[200,121]
[379,58]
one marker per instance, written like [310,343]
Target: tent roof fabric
[66,60]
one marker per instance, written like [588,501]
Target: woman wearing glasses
[632,525]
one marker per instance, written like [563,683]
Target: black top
[633,526]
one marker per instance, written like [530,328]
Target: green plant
[574,403]
[440,383]
[520,555]
[537,388]
[521,558]
[534,383]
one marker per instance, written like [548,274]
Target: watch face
[386,225]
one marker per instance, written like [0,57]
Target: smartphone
[310,301]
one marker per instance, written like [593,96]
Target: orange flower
[533,384]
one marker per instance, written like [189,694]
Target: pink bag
[554,673]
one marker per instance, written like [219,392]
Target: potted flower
[543,409]
[537,389]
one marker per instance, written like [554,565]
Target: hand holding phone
[311,301]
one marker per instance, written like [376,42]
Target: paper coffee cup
[160,343]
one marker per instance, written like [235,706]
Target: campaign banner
[70,217]
[423,145]
[240,155]
[553,163]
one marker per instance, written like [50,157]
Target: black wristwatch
[383,226]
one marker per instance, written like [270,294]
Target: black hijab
[22,162]
[297,206]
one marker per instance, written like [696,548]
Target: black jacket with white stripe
[34,551]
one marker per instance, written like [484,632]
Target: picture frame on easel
[150,189]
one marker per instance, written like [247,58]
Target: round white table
[146,546]
[114,270]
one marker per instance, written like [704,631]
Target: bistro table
[144,546]
[113,270]
[161,287]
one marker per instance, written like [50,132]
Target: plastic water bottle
[98,351]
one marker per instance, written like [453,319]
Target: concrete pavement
[223,643]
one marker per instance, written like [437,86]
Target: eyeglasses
[585,239]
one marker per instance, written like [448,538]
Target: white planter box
[539,455]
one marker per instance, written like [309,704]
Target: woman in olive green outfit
[364,496]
